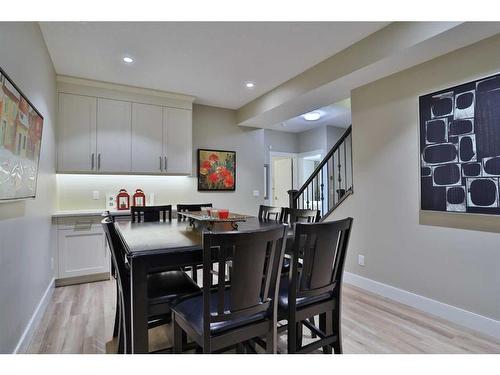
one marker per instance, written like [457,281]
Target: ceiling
[338,115]
[209,60]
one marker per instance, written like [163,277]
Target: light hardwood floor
[80,318]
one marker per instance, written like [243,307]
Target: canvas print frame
[21,130]
[216,170]
[459,139]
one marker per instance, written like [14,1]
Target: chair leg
[117,314]
[313,322]
[120,335]
[177,336]
[292,337]
[300,331]
[335,323]
[271,341]
[323,326]
[194,273]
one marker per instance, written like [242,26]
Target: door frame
[294,157]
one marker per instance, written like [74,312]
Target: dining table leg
[139,301]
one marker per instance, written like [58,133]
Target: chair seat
[167,286]
[191,310]
[301,302]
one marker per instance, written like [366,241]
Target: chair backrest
[323,247]
[150,213]
[190,208]
[256,258]
[117,251]
[269,213]
[116,247]
[294,215]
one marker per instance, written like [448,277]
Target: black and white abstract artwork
[460,148]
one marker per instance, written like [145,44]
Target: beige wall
[25,226]
[212,128]
[447,257]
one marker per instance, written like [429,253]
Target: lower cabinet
[83,253]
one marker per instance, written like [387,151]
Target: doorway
[283,177]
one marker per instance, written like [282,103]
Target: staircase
[330,183]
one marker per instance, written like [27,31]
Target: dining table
[159,246]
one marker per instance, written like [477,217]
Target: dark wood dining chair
[164,288]
[190,208]
[290,216]
[269,213]
[298,215]
[151,213]
[229,315]
[315,287]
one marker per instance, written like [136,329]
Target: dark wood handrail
[320,166]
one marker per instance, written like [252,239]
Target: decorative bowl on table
[207,220]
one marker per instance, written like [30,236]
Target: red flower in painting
[223,171]
[229,181]
[206,164]
[213,177]
[213,158]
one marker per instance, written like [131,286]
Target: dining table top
[149,238]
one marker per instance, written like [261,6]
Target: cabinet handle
[92,163]
[99,162]
[165,166]
[160,165]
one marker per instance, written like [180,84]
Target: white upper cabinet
[76,133]
[177,140]
[147,133]
[114,136]
[105,128]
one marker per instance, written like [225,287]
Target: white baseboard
[476,322]
[24,341]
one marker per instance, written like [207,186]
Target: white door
[282,180]
[82,251]
[147,133]
[77,133]
[114,132]
[178,140]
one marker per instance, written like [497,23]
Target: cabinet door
[77,133]
[82,251]
[147,133]
[114,132]
[178,142]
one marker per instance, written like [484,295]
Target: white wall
[277,141]
[312,140]
[212,128]
[25,226]
[452,258]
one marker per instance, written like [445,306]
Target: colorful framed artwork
[216,170]
[20,142]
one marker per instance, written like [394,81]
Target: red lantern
[123,200]
[139,198]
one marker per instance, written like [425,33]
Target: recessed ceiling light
[128,60]
[250,85]
[312,116]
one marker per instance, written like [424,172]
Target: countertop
[88,212]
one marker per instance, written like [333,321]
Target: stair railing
[331,181]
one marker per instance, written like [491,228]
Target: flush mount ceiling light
[128,60]
[312,116]
[249,85]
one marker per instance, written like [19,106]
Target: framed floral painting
[216,170]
